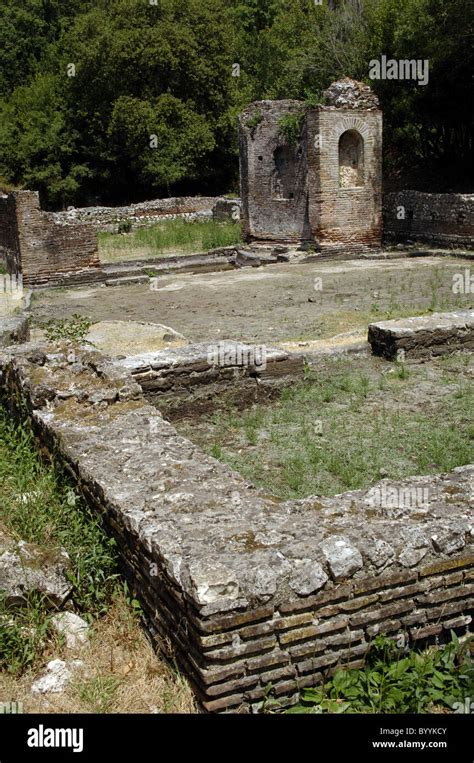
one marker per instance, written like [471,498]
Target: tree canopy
[137,98]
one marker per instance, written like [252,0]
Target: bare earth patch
[121,674]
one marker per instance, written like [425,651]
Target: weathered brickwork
[244,589]
[43,251]
[440,219]
[322,186]
[9,249]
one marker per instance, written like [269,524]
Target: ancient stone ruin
[313,175]
[242,589]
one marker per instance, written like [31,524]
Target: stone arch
[351,159]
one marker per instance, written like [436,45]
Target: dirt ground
[274,304]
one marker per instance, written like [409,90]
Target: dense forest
[120,101]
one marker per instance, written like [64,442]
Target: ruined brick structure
[314,175]
[437,219]
[43,251]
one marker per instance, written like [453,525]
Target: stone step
[127,280]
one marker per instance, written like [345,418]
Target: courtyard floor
[283,303]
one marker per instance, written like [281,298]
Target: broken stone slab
[74,629]
[127,280]
[56,678]
[249,258]
[26,569]
[220,366]
[122,338]
[14,329]
[423,336]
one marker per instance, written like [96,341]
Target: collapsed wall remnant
[440,219]
[313,175]
[249,590]
[144,213]
[424,336]
[193,377]
[43,251]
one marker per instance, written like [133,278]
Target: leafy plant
[395,682]
[290,126]
[253,122]
[73,329]
[22,634]
[124,226]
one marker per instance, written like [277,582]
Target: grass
[121,671]
[168,237]
[40,508]
[347,425]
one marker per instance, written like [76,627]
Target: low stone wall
[187,379]
[440,219]
[244,589]
[139,215]
[424,336]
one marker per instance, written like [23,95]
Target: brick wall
[442,219]
[268,212]
[46,251]
[9,250]
[292,192]
[339,216]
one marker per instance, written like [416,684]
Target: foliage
[253,122]
[73,329]
[39,506]
[165,70]
[290,126]
[395,682]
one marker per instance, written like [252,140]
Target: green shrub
[74,329]
[395,682]
[290,126]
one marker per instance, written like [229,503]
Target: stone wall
[187,379]
[244,589]
[139,215]
[42,250]
[423,337]
[440,219]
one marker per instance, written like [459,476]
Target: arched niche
[351,159]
